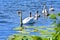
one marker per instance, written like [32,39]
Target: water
[9,18]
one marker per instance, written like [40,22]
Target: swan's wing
[26,20]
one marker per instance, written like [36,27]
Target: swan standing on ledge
[29,20]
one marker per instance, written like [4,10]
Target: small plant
[58,14]
[56,35]
[52,16]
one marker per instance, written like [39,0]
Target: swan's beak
[19,12]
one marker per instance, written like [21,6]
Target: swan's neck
[20,15]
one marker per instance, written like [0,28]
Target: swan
[45,11]
[29,20]
[51,9]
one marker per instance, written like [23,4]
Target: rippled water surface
[9,18]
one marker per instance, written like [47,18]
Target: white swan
[51,9]
[45,11]
[29,20]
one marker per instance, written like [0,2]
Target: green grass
[20,37]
